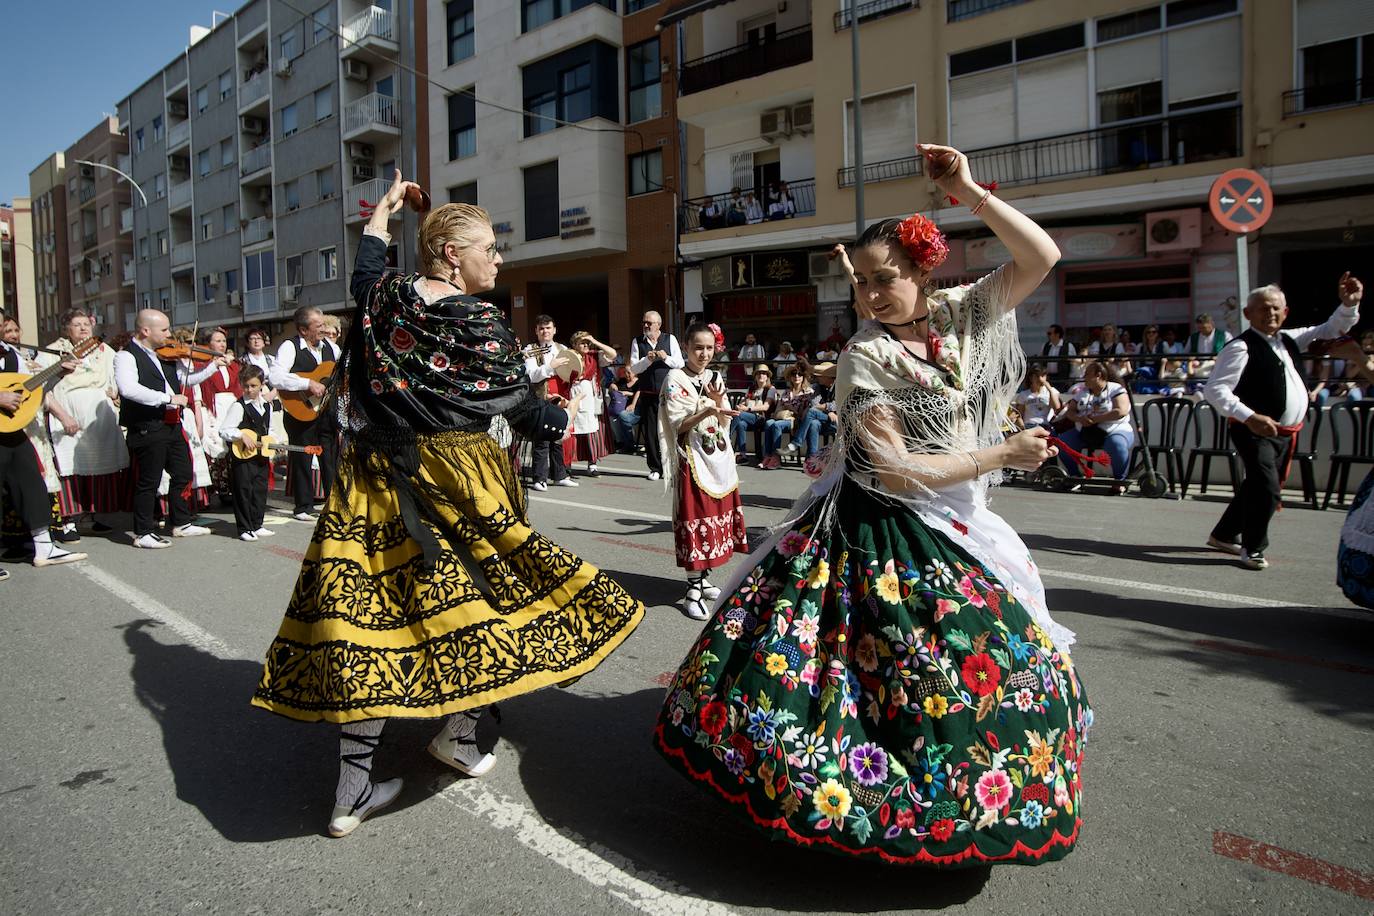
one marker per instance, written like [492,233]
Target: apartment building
[1105,120]
[52,276]
[582,188]
[256,148]
[16,265]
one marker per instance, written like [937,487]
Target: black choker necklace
[907,324]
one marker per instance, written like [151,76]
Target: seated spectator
[1101,413]
[1208,338]
[786,356]
[1038,402]
[712,215]
[735,212]
[1107,345]
[753,210]
[1152,370]
[820,419]
[791,411]
[622,400]
[1333,378]
[782,206]
[755,411]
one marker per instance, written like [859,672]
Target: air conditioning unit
[289,293]
[1173,230]
[363,172]
[252,125]
[179,163]
[283,66]
[803,118]
[773,123]
[354,69]
[822,265]
[360,152]
[236,300]
[176,108]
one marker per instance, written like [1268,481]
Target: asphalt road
[1227,771]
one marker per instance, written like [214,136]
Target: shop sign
[780,268]
[715,276]
[574,222]
[1117,242]
[742,271]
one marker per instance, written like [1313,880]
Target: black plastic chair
[1361,448]
[1171,417]
[1305,454]
[1213,441]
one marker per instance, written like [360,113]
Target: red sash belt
[1292,433]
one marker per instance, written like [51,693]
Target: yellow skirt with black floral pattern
[371,632]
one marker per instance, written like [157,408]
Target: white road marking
[602,868]
[149,606]
[1175,591]
[616,875]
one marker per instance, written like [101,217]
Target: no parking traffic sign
[1241,200]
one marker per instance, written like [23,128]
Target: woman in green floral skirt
[883,678]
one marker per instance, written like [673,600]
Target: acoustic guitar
[268,447]
[300,404]
[31,387]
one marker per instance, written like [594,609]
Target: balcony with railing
[253,91]
[255,160]
[87,191]
[370,115]
[178,135]
[183,255]
[956,10]
[372,30]
[1331,95]
[874,9]
[719,211]
[126,219]
[257,230]
[180,195]
[786,49]
[1193,137]
[354,196]
[89,240]
[260,301]
[886,170]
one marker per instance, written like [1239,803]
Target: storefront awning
[687,10]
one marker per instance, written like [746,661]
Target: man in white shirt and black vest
[305,352]
[542,364]
[150,405]
[652,355]
[1258,385]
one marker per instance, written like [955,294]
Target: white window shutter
[1052,96]
[1129,63]
[981,110]
[1320,21]
[889,127]
[1204,60]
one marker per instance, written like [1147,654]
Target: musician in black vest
[652,354]
[150,404]
[1258,385]
[20,475]
[304,353]
[1056,345]
[247,421]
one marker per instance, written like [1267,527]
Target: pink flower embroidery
[993,790]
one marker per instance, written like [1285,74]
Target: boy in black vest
[150,404]
[1258,385]
[652,355]
[247,421]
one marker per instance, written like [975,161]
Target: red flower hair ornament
[923,241]
[718,334]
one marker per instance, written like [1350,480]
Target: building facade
[559,121]
[52,273]
[16,266]
[258,149]
[1107,126]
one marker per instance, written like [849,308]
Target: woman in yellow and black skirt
[425,593]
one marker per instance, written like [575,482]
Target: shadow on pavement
[589,768]
[256,777]
[759,501]
[1168,554]
[1319,658]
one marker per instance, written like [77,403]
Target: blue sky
[108,50]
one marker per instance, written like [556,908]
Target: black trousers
[22,478]
[319,432]
[1253,506]
[248,485]
[549,455]
[158,447]
[648,422]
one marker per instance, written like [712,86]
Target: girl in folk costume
[883,679]
[425,593]
[88,447]
[588,442]
[708,522]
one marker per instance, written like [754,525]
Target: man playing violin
[150,402]
[300,354]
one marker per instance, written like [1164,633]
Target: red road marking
[666,678]
[1295,864]
[287,552]
[622,542]
[1220,646]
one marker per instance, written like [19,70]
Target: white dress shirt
[541,369]
[126,378]
[1233,358]
[280,374]
[640,362]
[233,416]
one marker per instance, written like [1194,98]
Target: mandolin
[31,387]
[268,447]
[299,404]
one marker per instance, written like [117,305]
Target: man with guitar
[303,365]
[20,474]
[150,403]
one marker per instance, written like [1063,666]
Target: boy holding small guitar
[245,426]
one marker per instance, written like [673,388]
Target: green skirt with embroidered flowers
[876,693]
[372,630]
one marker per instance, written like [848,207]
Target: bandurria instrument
[31,387]
[300,404]
[268,447]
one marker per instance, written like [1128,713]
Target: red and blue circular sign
[1241,200]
